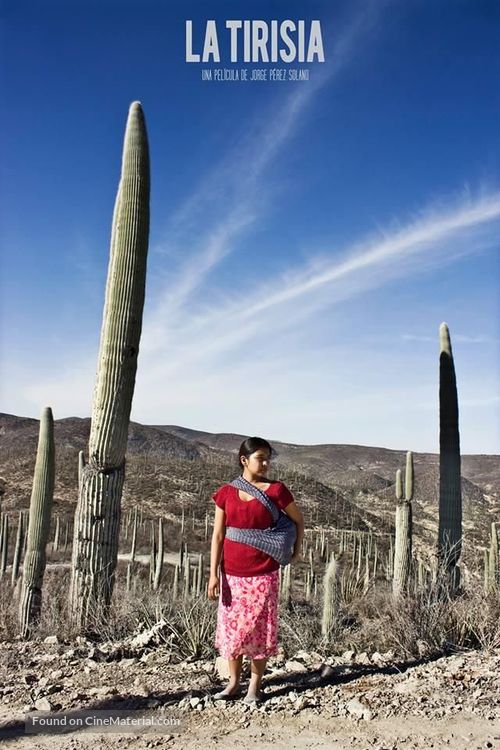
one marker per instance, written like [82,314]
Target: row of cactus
[20,542]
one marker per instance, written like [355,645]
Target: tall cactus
[450,492]
[38,525]
[403,541]
[97,520]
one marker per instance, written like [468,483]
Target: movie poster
[324,193]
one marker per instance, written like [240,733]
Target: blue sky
[307,237]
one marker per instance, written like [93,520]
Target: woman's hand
[213,587]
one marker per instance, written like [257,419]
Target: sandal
[249,700]
[223,695]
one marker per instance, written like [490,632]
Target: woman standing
[247,616]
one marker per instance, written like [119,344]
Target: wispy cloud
[457,338]
[250,366]
[430,241]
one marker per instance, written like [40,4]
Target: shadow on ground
[279,685]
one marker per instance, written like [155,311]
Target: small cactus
[18,548]
[159,557]
[330,597]
[55,543]
[492,567]
[403,541]
[38,526]
[4,547]
[134,537]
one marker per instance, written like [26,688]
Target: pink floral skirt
[247,616]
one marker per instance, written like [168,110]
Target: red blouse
[240,559]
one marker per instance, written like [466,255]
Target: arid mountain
[171,467]
[365,477]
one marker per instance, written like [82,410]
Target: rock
[410,686]
[103,690]
[356,708]
[56,674]
[222,667]
[363,658]
[42,704]
[127,662]
[51,639]
[140,688]
[327,671]
[193,702]
[302,656]
[348,655]
[301,702]
[153,635]
[388,655]
[295,666]
[50,689]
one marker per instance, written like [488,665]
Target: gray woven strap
[277,540]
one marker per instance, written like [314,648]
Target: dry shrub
[190,625]
[299,627]
[426,623]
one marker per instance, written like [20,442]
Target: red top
[240,559]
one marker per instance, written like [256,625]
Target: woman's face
[258,463]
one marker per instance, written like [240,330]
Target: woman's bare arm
[218,535]
[293,510]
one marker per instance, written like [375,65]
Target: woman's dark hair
[252,444]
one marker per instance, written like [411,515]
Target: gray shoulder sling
[278,539]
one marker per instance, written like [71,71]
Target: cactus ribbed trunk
[4,546]
[18,548]
[403,540]
[330,597]
[450,492]
[55,544]
[159,557]
[493,570]
[97,520]
[81,466]
[38,526]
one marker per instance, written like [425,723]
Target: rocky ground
[353,700]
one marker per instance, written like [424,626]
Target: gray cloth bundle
[278,539]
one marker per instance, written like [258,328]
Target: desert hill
[172,468]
